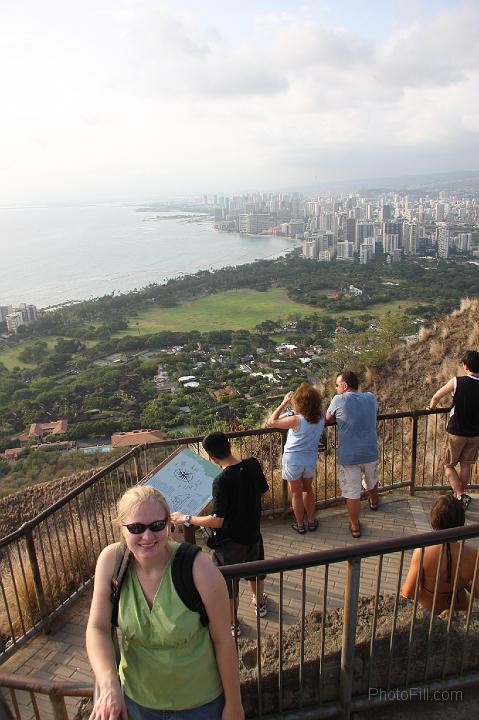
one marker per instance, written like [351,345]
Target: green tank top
[167,657]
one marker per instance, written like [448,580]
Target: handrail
[30,524]
[45,687]
[350,552]
[49,561]
[33,522]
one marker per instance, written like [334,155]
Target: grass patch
[231,310]
[380,309]
[10,357]
[238,310]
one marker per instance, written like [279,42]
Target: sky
[133,99]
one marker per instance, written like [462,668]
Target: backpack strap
[182,576]
[121,565]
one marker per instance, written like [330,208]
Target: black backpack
[181,574]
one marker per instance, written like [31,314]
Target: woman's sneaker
[262,608]
[465,500]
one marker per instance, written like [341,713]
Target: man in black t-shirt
[462,436]
[236,516]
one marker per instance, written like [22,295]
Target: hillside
[23,505]
[414,371]
[406,381]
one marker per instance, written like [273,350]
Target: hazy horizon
[118,101]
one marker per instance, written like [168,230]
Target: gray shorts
[233,553]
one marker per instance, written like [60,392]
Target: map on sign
[185,479]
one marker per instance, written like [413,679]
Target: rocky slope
[17,508]
[414,371]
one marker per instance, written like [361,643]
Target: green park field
[10,357]
[235,310]
[232,310]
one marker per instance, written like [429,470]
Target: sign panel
[185,479]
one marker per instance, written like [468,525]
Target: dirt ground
[366,673]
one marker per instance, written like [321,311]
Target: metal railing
[332,653]
[360,648]
[27,695]
[49,561]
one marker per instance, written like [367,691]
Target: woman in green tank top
[171,665]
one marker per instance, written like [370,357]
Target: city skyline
[138,99]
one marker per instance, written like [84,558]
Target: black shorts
[233,553]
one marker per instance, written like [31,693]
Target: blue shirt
[355,414]
[301,446]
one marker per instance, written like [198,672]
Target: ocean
[51,255]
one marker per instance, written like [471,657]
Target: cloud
[130,94]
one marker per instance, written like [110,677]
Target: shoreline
[136,291]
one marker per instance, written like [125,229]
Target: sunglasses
[139,528]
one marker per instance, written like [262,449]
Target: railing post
[284,484]
[59,707]
[351,595]
[137,464]
[145,455]
[37,579]
[412,477]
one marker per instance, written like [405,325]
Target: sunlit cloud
[138,98]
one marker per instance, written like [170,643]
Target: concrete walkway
[62,655]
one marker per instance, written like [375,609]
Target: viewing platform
[365,631]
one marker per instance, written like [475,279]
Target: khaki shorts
[460,449]
[350,477]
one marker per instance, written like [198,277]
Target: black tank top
[464,418]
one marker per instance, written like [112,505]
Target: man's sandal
[300,529]
[355,533]
[313,526]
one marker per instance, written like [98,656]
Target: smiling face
[147,543]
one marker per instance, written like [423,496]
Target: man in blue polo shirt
[355,414]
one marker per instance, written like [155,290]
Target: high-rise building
[392,235]
[463,243]
[411,238]
[14,320]
[366,254]
[345,250]
[316,243]
[363,230]
[384,213]
[350,230]
[255,223]
[295,227]
[4,311]
[442,240]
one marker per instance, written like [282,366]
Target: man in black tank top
[462,436]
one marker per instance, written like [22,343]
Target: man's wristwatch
[187,521]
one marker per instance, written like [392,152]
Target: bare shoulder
[203,567]
[206,576]
[105,565]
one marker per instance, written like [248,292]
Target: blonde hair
[136,496]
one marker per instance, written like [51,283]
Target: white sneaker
[262,608]
[236,630]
